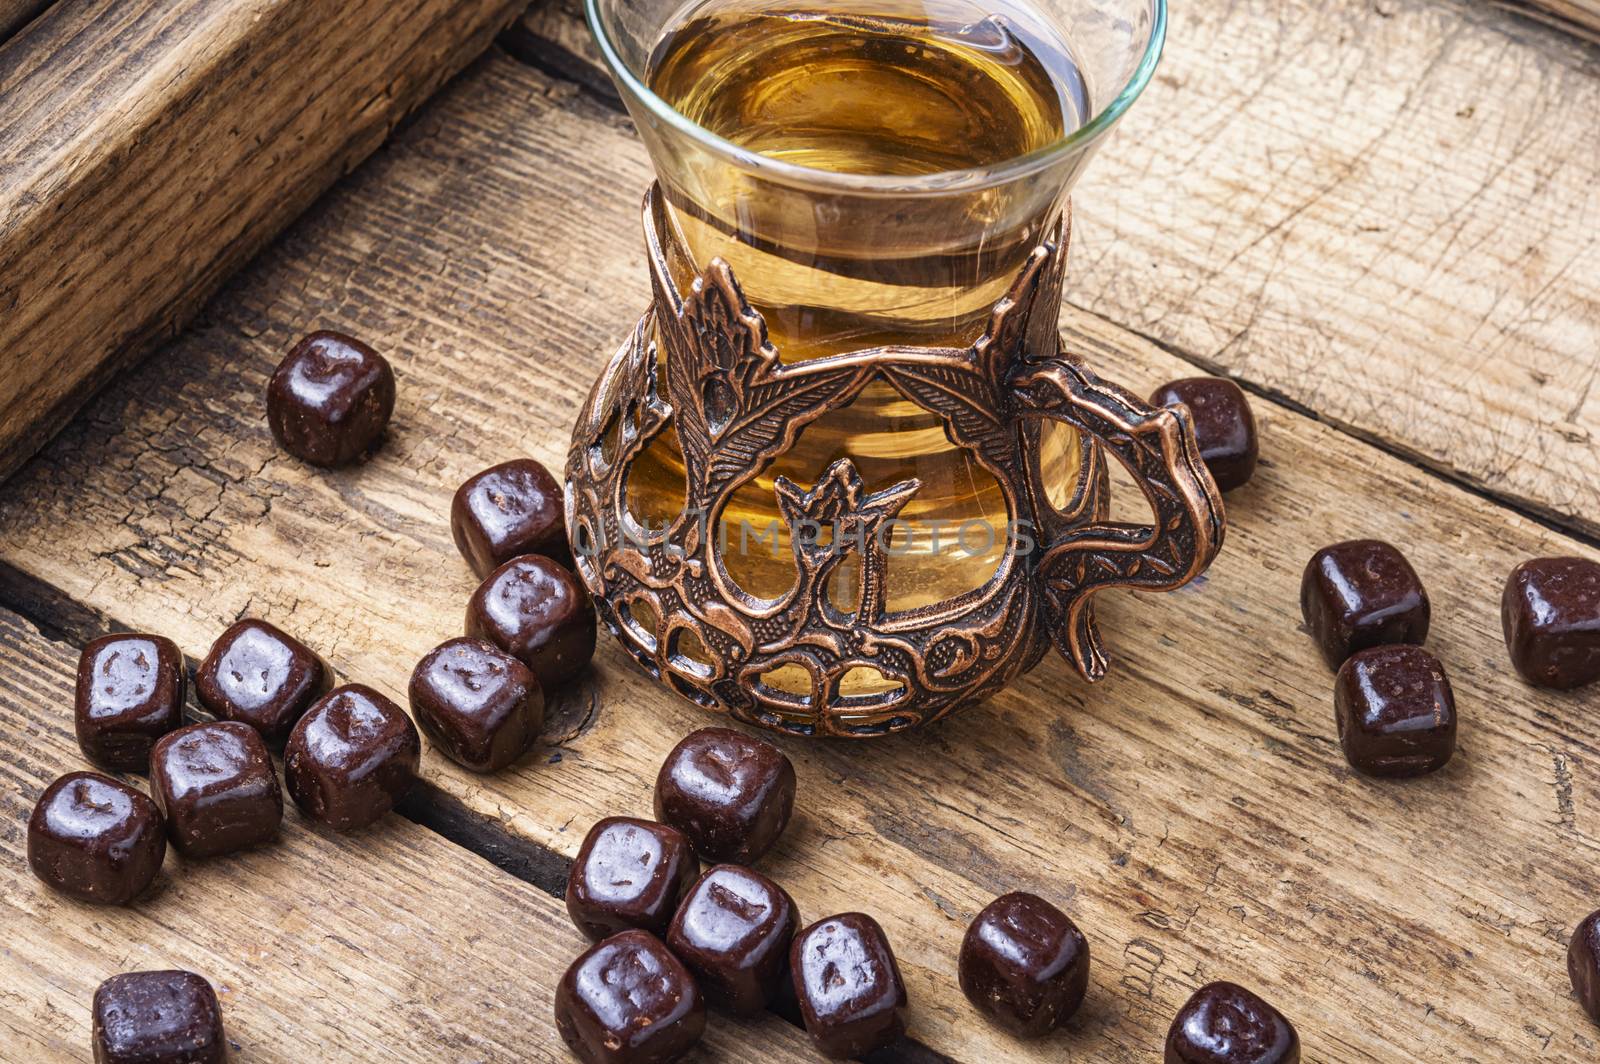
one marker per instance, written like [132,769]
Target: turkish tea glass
[876,176]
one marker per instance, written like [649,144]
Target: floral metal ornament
[736,407]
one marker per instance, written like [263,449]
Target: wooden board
[1386,213]
[1192,813]
[149,148]
[390,944]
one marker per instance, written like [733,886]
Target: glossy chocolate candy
[1395,711]
[216,786]
[158,1018]
[1583,964]
[508,510]
[1362,594]
[1551,615]
[1227,1024]
[330,400]
[257,675]
[629,874]
[1024,964]
[730,793]
[478,704]
[628,1000]
[536,610]
[851,996]
[130,693]
[1224,427]
[733,932]
[96,839]
[351,758]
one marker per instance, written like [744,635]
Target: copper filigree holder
[737,407]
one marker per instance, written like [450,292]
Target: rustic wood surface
[390,944]
[1192,813]
[148,149]
[1385,212]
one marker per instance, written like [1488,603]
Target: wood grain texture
[1387,212]
[1192,813]
[148,149]
[1581,17]
[387,945]
[15,14]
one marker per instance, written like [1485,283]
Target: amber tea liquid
[887,89]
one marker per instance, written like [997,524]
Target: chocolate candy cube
[851,996]
[733,932]
[1227,1024]
[1024,964]
[330,400]
[158,1018]
[217,788]
[478,704]
[1396,714]
[130,693]
[536,610]
[1583,964]
[506,511]
[96,839]
[257,675]
[629,874]
[1551,615]
[628,999]
[730,793]
[1224,427]
[351,758]
[1362,594]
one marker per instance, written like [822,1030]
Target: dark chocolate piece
[733,932]
[478,704]
[629,874]
[351,758]
[506,511]
[1551,615]
[1224,427]
[130,693]
[330,400]
[257,675]
[851,996]
[1227,1024]
[1362,594]
[1024,964]
[1583,964]
[1396,714]
[731,793]
[96,839]
[628,1000]
[158,1018]
[536,610]
[216,786]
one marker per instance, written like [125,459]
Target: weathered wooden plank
[387,945]
[148,149]
[1388,213]
[1193,812]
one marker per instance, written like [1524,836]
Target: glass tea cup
[876,181]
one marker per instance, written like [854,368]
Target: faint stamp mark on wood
[1142,960]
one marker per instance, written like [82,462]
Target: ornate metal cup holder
[736,407]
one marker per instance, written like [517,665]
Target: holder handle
[1158,447]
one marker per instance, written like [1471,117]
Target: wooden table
[1381,216]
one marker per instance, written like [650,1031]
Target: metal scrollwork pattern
[736,407]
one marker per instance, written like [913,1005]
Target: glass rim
[942,183]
